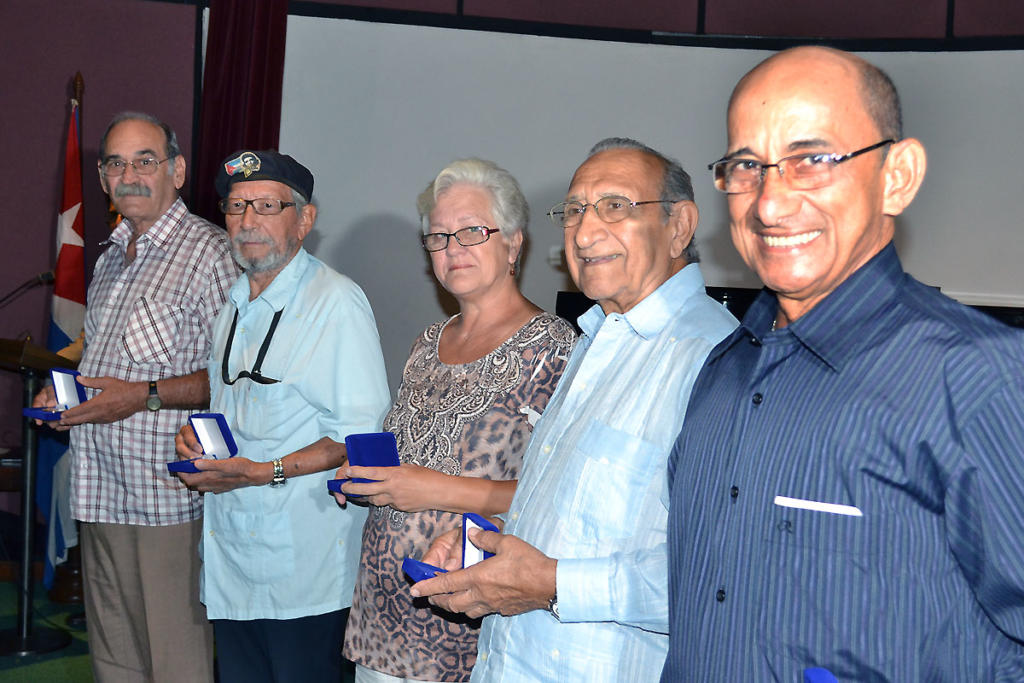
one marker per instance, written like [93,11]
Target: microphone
[41,279]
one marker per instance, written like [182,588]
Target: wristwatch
[153,401]
[553,607]
[278,479]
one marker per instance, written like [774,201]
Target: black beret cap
[264,165]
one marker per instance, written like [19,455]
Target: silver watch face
[154,403]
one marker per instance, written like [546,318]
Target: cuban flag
[234,166]
[68,311]
[66,321]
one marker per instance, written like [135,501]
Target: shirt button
[554,654]
[755,341]
[757,399]
[720,595]
[734,491]
[482,656]
[514,516]
[546,449]
[211,533]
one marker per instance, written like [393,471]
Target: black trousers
[280,650]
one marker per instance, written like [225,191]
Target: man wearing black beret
[296,367]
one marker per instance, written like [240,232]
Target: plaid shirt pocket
[151,336]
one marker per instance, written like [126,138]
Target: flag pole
[26,639]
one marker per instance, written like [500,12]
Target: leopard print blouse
[471,420]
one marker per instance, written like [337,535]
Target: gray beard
[274,259]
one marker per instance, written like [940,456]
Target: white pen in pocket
[832,508]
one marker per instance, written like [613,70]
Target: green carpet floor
[69,665]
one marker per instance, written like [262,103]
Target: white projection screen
[375,110]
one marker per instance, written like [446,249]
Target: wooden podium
[31,362]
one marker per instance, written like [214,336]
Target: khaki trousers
[142,605]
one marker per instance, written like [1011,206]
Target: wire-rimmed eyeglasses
[468,237]
[115,166]
[610,209]
[738,175]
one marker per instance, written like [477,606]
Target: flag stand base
[39,641]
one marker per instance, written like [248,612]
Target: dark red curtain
[240,104]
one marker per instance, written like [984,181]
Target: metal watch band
[278,479]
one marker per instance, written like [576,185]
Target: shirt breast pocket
[845,534]
[617,471]
[152,333]
[831,585]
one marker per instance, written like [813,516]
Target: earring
[512,269]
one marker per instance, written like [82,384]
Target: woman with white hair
[471,391]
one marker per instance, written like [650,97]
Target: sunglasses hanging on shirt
[255,375]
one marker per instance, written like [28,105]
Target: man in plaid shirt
[162,279]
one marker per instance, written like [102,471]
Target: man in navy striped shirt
[847,487]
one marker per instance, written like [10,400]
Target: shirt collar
[826,330]
[159,234]
[650,316]
[280,290]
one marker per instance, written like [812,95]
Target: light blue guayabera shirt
[593,493]
[289,551]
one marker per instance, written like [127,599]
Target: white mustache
[240,239]
[132,190]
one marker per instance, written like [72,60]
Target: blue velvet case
[68,391]
[214,436]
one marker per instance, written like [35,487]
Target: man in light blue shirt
[296,367]
[580,573]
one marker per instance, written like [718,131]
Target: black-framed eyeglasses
[264,206]
[738,175]
[610,209]
[114,166]
[468,237]
[255,375]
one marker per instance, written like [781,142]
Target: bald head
[805,238]
[877,92]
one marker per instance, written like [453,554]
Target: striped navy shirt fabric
[898,403]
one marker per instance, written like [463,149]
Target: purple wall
[806,18]
[132,55]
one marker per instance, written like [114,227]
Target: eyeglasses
[144,166]
[611,209]
[255,375]
[800,172]
[264,206]
[467,237]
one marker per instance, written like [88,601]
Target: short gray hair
[882,101]
[300,201]
[675,182]
[171,148]
[508,205]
